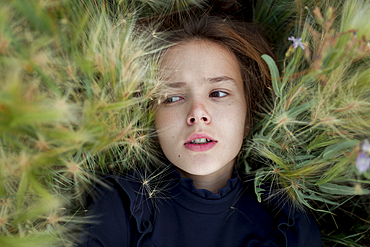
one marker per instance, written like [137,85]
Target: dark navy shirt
[132,212]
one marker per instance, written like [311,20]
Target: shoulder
[293,222]
[296,224]
[299,223]
[114,212]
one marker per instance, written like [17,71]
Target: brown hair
[243,39]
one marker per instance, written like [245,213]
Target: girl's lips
[199,136]
[198,147]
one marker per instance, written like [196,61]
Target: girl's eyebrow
[220,79]
[176,84]
[211,80]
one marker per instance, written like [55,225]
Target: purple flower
[365,147]
[362,162]
[297,42]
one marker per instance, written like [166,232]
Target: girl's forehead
[195,49]
[206,56]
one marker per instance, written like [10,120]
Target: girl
[213,80]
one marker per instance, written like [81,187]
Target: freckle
[173,137]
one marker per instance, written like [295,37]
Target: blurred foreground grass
[76,79]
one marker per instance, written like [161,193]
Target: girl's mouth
[200,141]
[200,144]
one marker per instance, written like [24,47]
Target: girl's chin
[202,164]
[193,171]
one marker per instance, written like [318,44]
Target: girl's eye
[218,94]
[172,99]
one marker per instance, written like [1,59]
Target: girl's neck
[212,182]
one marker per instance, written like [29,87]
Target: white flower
[365,147]
[363,162]
[297,42]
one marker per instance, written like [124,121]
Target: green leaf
[302,200]
[259,193]
[337,189]
[36,15]
[257,183]
[22,188]
[288,72]
[320,142]
[31,240]
[276,83]
[367,174]
[333,149]
[340,167]
[265,140]
[299,109]
[280,161]
[312,196]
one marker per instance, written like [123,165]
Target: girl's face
[201,117]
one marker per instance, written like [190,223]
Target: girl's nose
[198,114]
